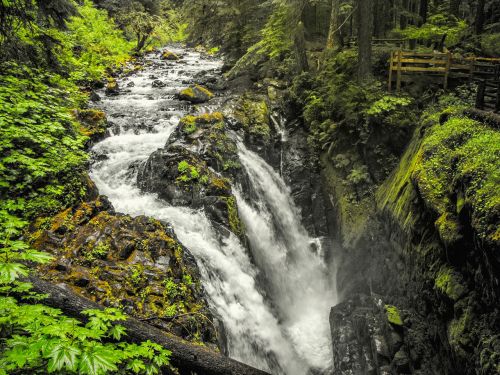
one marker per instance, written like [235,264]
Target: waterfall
[279,324]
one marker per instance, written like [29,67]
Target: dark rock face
[135,264]
[446,295]
[302,175]
[180,173]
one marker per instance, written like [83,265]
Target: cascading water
[281,324]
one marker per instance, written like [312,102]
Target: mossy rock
[450,283]
[251,113]
[210,130]
[189,124]
[112,88]
[169,56]
[93,123]
[136,264]
[196,94]
[393,315]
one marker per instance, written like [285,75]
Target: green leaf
[97,359]
[11,271]
[63,356]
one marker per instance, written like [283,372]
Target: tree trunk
[300,48]
[480,16]
[334,40]
[365,33]
[423,11]
[188,358]
[455,7]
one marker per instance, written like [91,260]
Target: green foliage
[387,104]
[438,25]
[462,154]
[91,44]
[275,42]
[42,160]
[39,338]
[449,282]
[393,315]
[490,44]
[188,172]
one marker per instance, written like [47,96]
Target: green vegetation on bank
[50,54]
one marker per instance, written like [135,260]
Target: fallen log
[490,118]
[188,358]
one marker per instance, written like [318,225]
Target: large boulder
[169,56]
[196,94]
[179,176]
[112,88]
[136,264]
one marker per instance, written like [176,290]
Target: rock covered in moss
[136,264]
[196,94]
[169,56]
[93,123]
[251,113]
[207,135]
[182,178]
[112,88]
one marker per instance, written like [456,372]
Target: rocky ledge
[136,264]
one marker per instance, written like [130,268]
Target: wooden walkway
[444,67]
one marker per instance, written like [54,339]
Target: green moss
[393,315]
[189,124]
[235,223]
[253,115]
[453,165]
[188,172]
[448,228]
[457,331]
[190,92]
[462,153]
[449,282]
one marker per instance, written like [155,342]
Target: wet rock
[94,124]
[169,56]
[124,262]
[94,97]
[401,362]
[112,88]
[131,84]
[158,84]
[196,94]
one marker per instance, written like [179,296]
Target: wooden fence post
[497,103]
[447,72]
[398,83]
[389,86]
[480,94]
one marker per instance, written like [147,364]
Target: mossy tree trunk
[334,41]
[479,22]
[365,33]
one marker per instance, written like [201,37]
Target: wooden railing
[414,63]
[485,71]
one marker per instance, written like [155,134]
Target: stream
[274,302]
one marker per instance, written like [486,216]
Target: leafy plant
[38,338]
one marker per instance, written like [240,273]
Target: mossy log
[186,357]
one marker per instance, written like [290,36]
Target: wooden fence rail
[485,71]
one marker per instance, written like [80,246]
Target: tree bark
[480,16]
[455,7]
[365,33]
[334,40]
[423,11]
[300,48]
[188,358]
